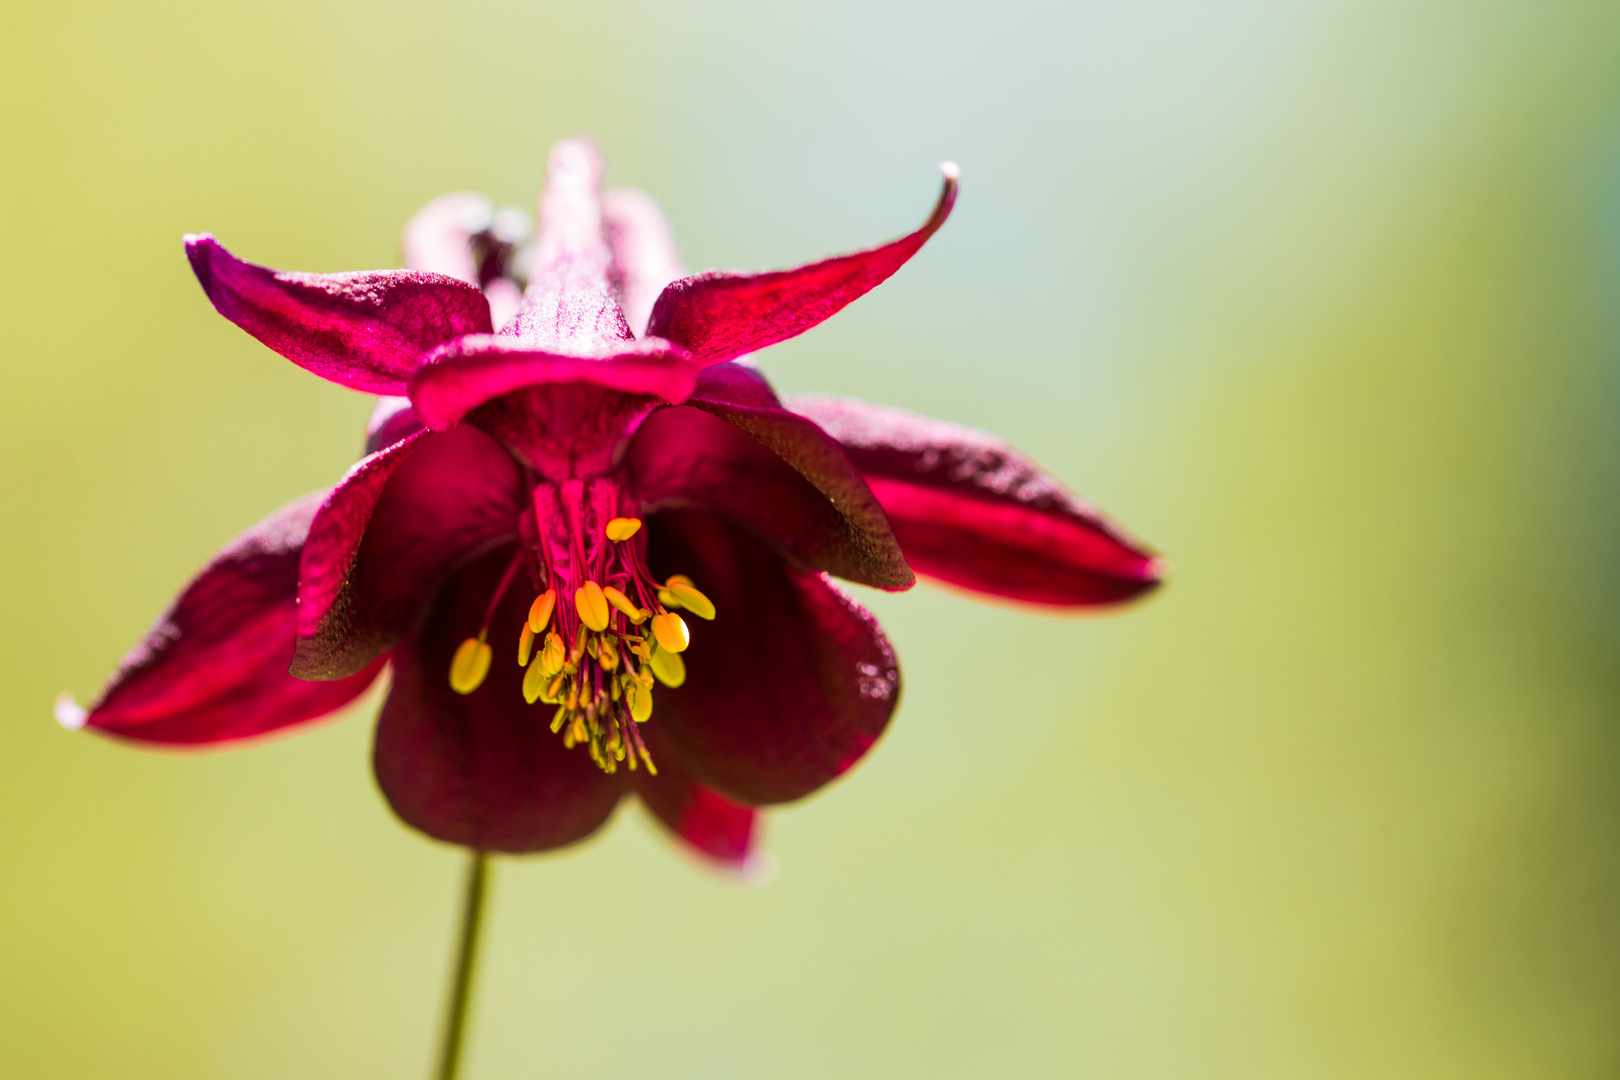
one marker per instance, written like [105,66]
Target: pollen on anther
[623,528]
[470,664]
[592,606]
[670,630]
[668,667]
[540,610]
[635,614]
[686,594]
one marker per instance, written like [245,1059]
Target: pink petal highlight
[366,330]
[644,255]
[213,668]
[392,419]
[721,315]
[570,305]
[974,511]
[789,686]
[438,238]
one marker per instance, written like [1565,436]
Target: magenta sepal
[367,330]
[213,668]
[720,315]
[974,511]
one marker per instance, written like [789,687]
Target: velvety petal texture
[571,306]
[773,469]
[972,510]
[788,687]
[213,668]
[467,373]
[482,769]
[720,315]
[366,330]
[388,534]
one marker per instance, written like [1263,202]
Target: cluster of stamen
[595,649]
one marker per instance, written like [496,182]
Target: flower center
[602,632]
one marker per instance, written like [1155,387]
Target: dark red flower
[538,507]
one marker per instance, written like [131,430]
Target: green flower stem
[455,1009]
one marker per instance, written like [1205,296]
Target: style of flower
[594,546]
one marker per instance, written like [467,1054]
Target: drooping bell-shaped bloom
[593,544]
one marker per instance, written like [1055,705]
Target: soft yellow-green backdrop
[1323,299]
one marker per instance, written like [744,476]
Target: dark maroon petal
[367,330]
[772,469]
[721,315]
[788,687]
[974,511]
[644,255]
[570,305]
[392,419]
[482,769]
[213,668]
[464,374]
[388,534]
[710,824]
[684,456]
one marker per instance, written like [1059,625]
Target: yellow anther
[554,654]
[540,610]
[470,664]
[681,589]
[525,645]
[591,647]
[534,681]
[592,606]
[623,528]
[640,701]
[607,655]
[579,646]
[670,630]
[636,615]
[669,667]
[553,693]
[558,717]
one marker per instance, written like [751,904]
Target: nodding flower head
[587,533]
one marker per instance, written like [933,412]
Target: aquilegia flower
[594,545]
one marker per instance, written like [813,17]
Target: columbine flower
[595,545]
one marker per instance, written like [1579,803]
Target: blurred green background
[1322,299]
